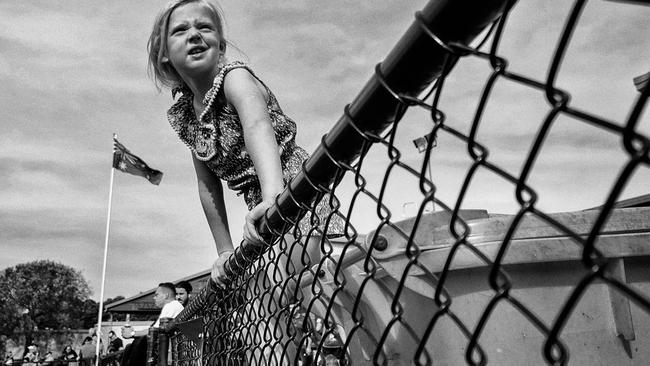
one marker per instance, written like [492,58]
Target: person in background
[114,342]
[165,298]
[49,358]
[114,346]
[87,352]
[31,357]
[9,359]
[135,354]
[69,356]
[183,291]
[101,343]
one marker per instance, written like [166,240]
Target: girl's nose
[194,35]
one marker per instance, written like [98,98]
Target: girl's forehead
[193,10]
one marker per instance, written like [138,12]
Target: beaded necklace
[201,134]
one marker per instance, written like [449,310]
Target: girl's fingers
[250,231]
[248,236]
[218,274]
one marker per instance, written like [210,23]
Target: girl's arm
[211,197]
[249,98]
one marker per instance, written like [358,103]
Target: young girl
[227,117]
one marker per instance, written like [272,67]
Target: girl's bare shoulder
[240,81]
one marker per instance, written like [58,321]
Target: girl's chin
[198,69]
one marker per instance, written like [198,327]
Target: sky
[72,73]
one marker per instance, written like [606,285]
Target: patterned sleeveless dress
[218,140]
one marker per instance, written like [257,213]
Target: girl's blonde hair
[162,72]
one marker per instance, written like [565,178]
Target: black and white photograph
[321,183]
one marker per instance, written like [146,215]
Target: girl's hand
[218,273]
[250,231]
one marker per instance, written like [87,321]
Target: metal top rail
[415,61]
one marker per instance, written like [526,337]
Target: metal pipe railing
[415,61]
[412,65]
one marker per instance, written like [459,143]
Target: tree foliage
[43,294]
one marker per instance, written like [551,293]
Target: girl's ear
[222,47]
[164,59]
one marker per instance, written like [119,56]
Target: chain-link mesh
[406,292]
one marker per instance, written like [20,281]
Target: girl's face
[194,45]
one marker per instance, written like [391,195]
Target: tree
[114,299]
[88,313]
[42,294]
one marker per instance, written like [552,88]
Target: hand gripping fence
[456,286]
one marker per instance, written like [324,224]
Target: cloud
[56,223]
[72,52]
[74,72]
[48,31]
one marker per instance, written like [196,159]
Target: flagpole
[101,293]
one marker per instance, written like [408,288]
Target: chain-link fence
[449,285]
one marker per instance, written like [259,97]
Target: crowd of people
[171,298]
[83,356]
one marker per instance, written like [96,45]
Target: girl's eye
[177,30]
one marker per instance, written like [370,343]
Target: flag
[125,161]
